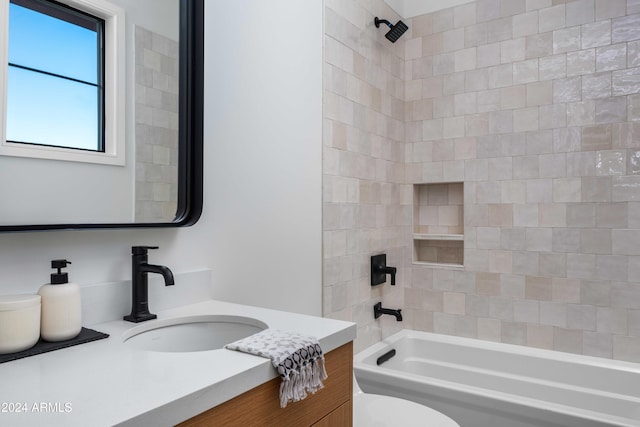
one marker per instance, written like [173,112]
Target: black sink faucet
[379,311]
[139,283]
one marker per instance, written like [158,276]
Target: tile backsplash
[535,106]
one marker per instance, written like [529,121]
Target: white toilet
[375,410]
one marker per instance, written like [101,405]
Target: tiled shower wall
[535,106]
[363,165]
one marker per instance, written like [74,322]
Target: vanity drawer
[261,405]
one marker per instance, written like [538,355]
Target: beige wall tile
[538,288]
[501,308]
[514,333]
[512,286]
[526,263]
[581,317]
[540,336]
[476,35]
[453,39]
[610,58]
[611,110]
[513,97]
[539,93]
[512,50]
[464,15]
[610,9]
[610,162]
[596,189]
[525,119]
[596,137]
[567,340]
[581,62]
[551,18]
[526,311]
[580,12]
[625,82]
[626,348]
[539,45]
[489,329]
[611,321]
[567,190]
[566,40]
[625,28]
[526,71]
[553,67]
[552,215]
[500,76]
[596,34]
[597,344]
[525,24]
[581,266]
[581,215]
[596,86]
[513,239]
[499,30]
[581,113]
[454,303]
[442,20]
[553,314]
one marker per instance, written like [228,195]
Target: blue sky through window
[44,109]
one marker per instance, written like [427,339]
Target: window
[62,96]
[55,76]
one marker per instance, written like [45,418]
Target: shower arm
[377,21]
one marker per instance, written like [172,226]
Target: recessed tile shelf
[438,225]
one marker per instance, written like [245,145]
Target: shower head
[395,30]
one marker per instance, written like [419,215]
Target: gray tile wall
[156,133]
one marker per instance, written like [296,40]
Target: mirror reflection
[133,175]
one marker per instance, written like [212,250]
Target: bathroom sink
[191,333]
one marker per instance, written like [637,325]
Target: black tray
[86,335]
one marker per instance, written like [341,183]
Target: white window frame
[114,90]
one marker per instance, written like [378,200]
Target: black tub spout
[379,311]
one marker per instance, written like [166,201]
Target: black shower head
[396,30]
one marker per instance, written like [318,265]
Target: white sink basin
[191,333]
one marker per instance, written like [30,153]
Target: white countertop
[105,382]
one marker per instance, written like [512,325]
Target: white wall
[264,142]
[260,232]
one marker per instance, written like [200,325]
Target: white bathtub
[486,384]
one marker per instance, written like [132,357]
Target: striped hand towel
[298,359]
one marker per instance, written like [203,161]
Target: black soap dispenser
[61,306]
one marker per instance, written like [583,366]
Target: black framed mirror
[157,66]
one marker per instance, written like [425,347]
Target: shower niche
[438,224]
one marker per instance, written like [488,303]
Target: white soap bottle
[61,309]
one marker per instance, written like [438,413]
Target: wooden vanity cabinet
[330,407]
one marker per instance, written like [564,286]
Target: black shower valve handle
[380,269]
